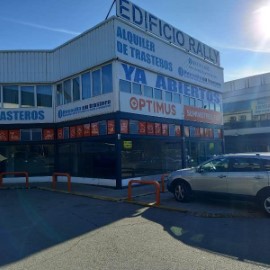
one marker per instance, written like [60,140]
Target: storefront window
[88,159]
[27,96]
[34,159]
[10,96]
[86,85]
[31,134]
[145,157]
[44,95]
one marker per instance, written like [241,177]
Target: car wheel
[265,203]
[182,192]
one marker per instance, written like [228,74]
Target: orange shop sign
[202,115]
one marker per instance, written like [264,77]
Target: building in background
[133,97]
[246,106]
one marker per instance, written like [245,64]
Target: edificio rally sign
[148,22]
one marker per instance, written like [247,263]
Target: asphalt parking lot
[97,228]
[145,195]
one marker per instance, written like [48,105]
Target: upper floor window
[148,91]
[11,96]
[76,89]
[86,85]
[107,85]
[44,95]
[67,91]
[27,96]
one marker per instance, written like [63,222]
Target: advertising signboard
[152,24]
[141,49]
[26,116]
[141,104]
[202,115]
[95,106]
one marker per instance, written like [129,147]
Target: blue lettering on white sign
[18,115]
[85,108]
[148,22]
[162,82]
[139,48]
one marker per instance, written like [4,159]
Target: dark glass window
[199,103]
[86,85]
[27,96]
[36,159]
[31,134]
[168,96]
[176,98]
[59,94]
[216,165]
[67,91]
[96,76]
[107,85]
[146,157]
[186,100]
[44,95]
[125,86]
[242,164]
[137,89]
[76,89]
[10,96]
[158,94]
[148,91]
[88,159]
[192,102]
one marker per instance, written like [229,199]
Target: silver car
[238,175]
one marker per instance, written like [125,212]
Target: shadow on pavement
[244,239]
[34,220]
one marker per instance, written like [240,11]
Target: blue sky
[233,27]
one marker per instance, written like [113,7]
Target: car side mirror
[200,170]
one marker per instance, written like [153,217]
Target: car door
[211,176]
[246,176]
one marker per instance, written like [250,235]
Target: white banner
[144,77]
[150,107]
[95,106]
[26,116]
[150,23]
[143,50]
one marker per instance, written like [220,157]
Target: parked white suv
[238,175]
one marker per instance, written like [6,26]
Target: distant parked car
[238,175]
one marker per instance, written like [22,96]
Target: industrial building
[131,98]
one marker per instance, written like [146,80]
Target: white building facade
[133,97]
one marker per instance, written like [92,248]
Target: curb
[152,205]
[203,214]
